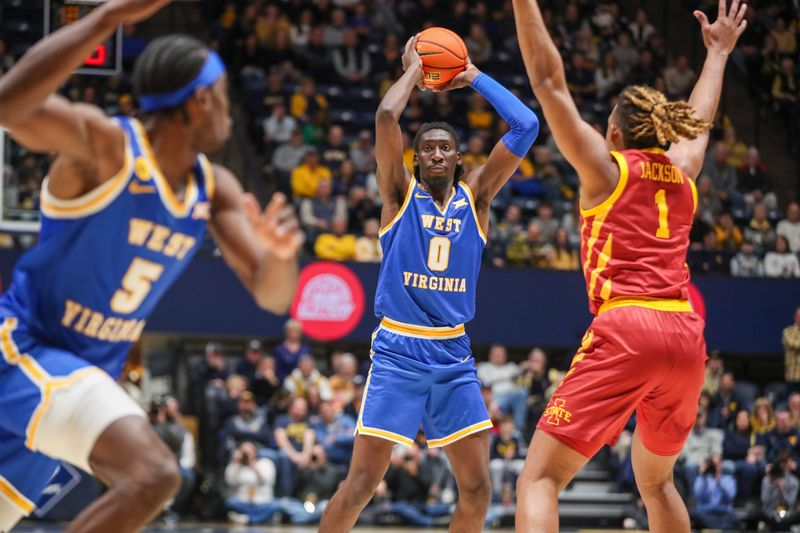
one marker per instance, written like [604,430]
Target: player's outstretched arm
[720,39]
[261,248]
[44,121]
[581,145]
[392,175]
[487,180]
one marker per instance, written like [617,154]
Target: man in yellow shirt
[791,346]
[338,245]
[476,153]
[306,177]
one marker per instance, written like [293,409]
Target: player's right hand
[134,10]
[411,57]
[723,34]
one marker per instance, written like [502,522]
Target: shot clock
[106,59]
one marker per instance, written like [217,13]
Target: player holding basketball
[645,348]
[434,229]
[124,209]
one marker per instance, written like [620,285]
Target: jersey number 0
[439,254]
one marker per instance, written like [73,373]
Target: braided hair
[647,119]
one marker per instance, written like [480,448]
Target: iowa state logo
[556,413]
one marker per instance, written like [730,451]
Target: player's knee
[155,479]
[361,487]
[477,490]
[654,487]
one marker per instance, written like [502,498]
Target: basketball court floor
[225,528]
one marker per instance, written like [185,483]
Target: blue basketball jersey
[104,260]
[431,260]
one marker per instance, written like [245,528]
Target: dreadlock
[428,126]
[648,119]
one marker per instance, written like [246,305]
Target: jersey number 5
[136,285]
[663,214]
[439,254]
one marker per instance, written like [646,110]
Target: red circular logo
[697,301]
[329,301]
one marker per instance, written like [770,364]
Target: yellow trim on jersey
[442,210]
[15,496]
[458,435]
[388,435]
[657,304]
[605,205]
[474,210]
[49,387]
[659,151]
[602,261]
[411,186]
[177,208]
[422,332]
[693,186]
[11,354]
[209,177]
[93,201]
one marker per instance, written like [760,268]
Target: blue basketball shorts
[53,406]
[418,377]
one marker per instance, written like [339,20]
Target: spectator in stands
[783,437]
[351,60]
[747,264]
[759,231]
[737,150]
[779,494]
[253,355]
[278,127]
[318,481]
[386,61]
[479,118]
[295,440]
[781,262]
[500,374]
[729,236]
[335,433]
[608,78]
[707,257]
[368,247]
[166,419]
[504,232]
[505,459]
[703,442]
[479,45]
[265,382]
[536,380]
[316,57]
[641,29]
[307,177]
[248,425]
[528,248]
[680,78]
[626,55]
[318,213]
[336,245]
[476,153]
[723,176]
[341,382]
[784,38]
[212,372]
[785,91]
[724,403]
[754,182]
[743,454]
[791,347]
[306,102]
[335,150]
[289,155]
[763,418]
[547,222]
[291,349]
[708,202]
[335,31]
[790,227]
[251,482]
[714,492]
[306,376]
[580,78]
[561,255]
[301,28]
[362,207]
[411,482]
[362,153]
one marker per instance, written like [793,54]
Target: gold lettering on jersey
[441,223]
[434,283]
[95,325]
[159,238]
[660,172]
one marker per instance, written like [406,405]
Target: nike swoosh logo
[136,188]
[466,359]
[420,196]
[423,54]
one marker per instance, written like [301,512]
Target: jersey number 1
[663,214]
[136,285]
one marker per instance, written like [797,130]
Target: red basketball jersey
[634,244]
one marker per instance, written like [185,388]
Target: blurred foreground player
[645,348]
[124,209]
[434,226]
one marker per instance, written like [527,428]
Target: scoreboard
[106,59]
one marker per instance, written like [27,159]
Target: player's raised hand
[410,54]
[462,80]
[134,10]
[277,228]
[723,34]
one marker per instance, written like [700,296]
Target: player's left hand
[723,34]
[464,79]
[277,228]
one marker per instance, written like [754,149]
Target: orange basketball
[443,54]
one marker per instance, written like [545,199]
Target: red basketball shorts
[631,358]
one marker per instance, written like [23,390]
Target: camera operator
[714,492]
[779,493]
[251,482]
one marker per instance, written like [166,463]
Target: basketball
[444,56]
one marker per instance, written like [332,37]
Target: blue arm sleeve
[523,121]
